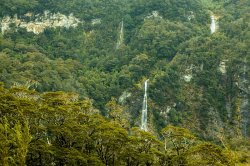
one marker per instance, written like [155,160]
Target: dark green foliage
[57,128]
[174,50]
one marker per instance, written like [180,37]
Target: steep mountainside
[195,54]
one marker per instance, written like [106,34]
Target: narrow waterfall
[120,37]
[144,108]
[213,24]
[244,109]
[244,115]
[48,141]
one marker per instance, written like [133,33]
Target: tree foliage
[59,129]
[197,80]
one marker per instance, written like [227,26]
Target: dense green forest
[73,75]
[56,128]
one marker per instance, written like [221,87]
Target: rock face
[189,73]
[222,67]
[190,15]
[39,22]
[96,21]
[154,14]
[188,77]
[124,96]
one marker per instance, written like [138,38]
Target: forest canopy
[73,74]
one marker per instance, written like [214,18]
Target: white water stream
[144,108]
[121,35]
[213,24]
[244,109]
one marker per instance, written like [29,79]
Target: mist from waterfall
[144,108]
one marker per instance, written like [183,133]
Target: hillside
[195,54]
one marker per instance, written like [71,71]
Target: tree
[180,140]
[117,114]
[14,143]
[208,154]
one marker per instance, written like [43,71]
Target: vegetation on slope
[198,80]
[56,128]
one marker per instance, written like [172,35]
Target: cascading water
[213,24]
[120,39]
[244,109]
[144,108]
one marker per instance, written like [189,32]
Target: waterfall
[244,115]
[121,35]
[47,137]
[213,24]
[244,108]
[48,141]
[144,108]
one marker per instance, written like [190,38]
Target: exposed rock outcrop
[39,22]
